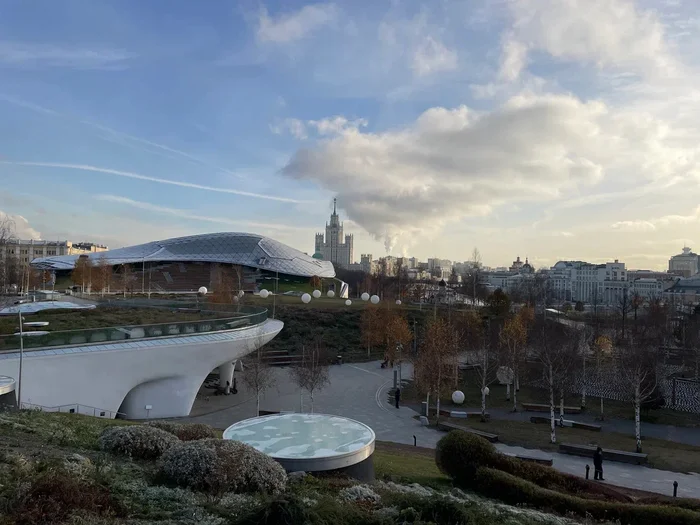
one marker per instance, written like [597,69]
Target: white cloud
[295,127]
[21,226]
[432,57]
[658,222]
[131,175]
[606,33]
[513,59]
[335,125]
[189,215]
[290,27]
[21,54]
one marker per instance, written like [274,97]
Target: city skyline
[557,131]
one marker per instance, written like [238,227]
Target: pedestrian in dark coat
[598,464]
[397,397]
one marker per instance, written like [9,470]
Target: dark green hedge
[513,490]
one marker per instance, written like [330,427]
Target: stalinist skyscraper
[332,248]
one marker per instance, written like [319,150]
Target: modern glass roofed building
[186,263]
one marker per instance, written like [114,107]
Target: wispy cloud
[131,175]
[21,54]
[119,137]
[185,214]
[653,224]
[290,27]
[433,57]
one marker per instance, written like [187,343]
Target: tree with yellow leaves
[513,338]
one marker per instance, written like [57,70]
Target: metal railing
[219,321]
[75,408]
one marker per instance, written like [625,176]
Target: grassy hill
[53,471]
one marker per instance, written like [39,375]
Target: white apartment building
[647,288]
[24,251]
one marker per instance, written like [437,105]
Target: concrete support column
[226,374]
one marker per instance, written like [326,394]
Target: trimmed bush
[137,441]
[459,454]
[185,431]
[219,466]
[515,491]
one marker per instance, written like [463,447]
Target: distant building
[334,247]
[684,264]
[24,251]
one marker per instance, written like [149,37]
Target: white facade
[647,288]
[334,247]
[151,378]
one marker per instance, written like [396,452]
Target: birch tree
[637,368]
[434,360]
[602,352]
[513,338]
[487,359]
[258,376]
[554,352]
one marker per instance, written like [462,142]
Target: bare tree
[311,374]
[258,375]
[623,307]
[7,234]
[637,367]
[487,363]
[636,302]
[513,338]
[470,284]
[554,351]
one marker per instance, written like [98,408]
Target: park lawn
[665,455]
[407,464]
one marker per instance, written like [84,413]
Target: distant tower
[333,246]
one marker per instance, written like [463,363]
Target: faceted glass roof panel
[243,249]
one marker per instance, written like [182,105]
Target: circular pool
[309,442]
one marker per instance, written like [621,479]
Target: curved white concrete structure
[161,373]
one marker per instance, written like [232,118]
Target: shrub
[221,466]
[54,495]
[360,493]
[460,453]
[137,441]
[510,489]
[185,431]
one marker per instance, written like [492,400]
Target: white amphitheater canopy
[245,249]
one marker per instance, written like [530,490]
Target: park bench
[535,407]
[608,454]
[451,426]
[567,423]
[460,414]
[533,459]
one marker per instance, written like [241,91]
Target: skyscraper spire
[334,201]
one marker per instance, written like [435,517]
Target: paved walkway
[360,391]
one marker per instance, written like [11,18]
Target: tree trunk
[508,392]
[311,396]
[483,402]
[637,419]
[561,404]
[551,409]
[602,414]
[257,404]
[301,401]
[583,390]
[515,396]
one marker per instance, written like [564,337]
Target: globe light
[241,294]
[374,299]
[331,294]
[306,298]
[348,303]
[316,294]
[398,301]
[365,296]
[264,293]
[202,290]
[458,397]
[486,390]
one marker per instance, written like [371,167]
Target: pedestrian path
[361,392]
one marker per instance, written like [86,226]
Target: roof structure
[245,249]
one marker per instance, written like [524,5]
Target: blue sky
[525,127]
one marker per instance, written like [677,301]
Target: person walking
[397,396]
[598,464]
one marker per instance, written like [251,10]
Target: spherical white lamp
[316,294]
[348,303]
[264,293]
[365,296]
[235,299]
[202,290]
[374,299]
[306,298]
[458,397]
[486,390]
[398,302]
[331,294]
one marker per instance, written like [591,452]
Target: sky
[548,129]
